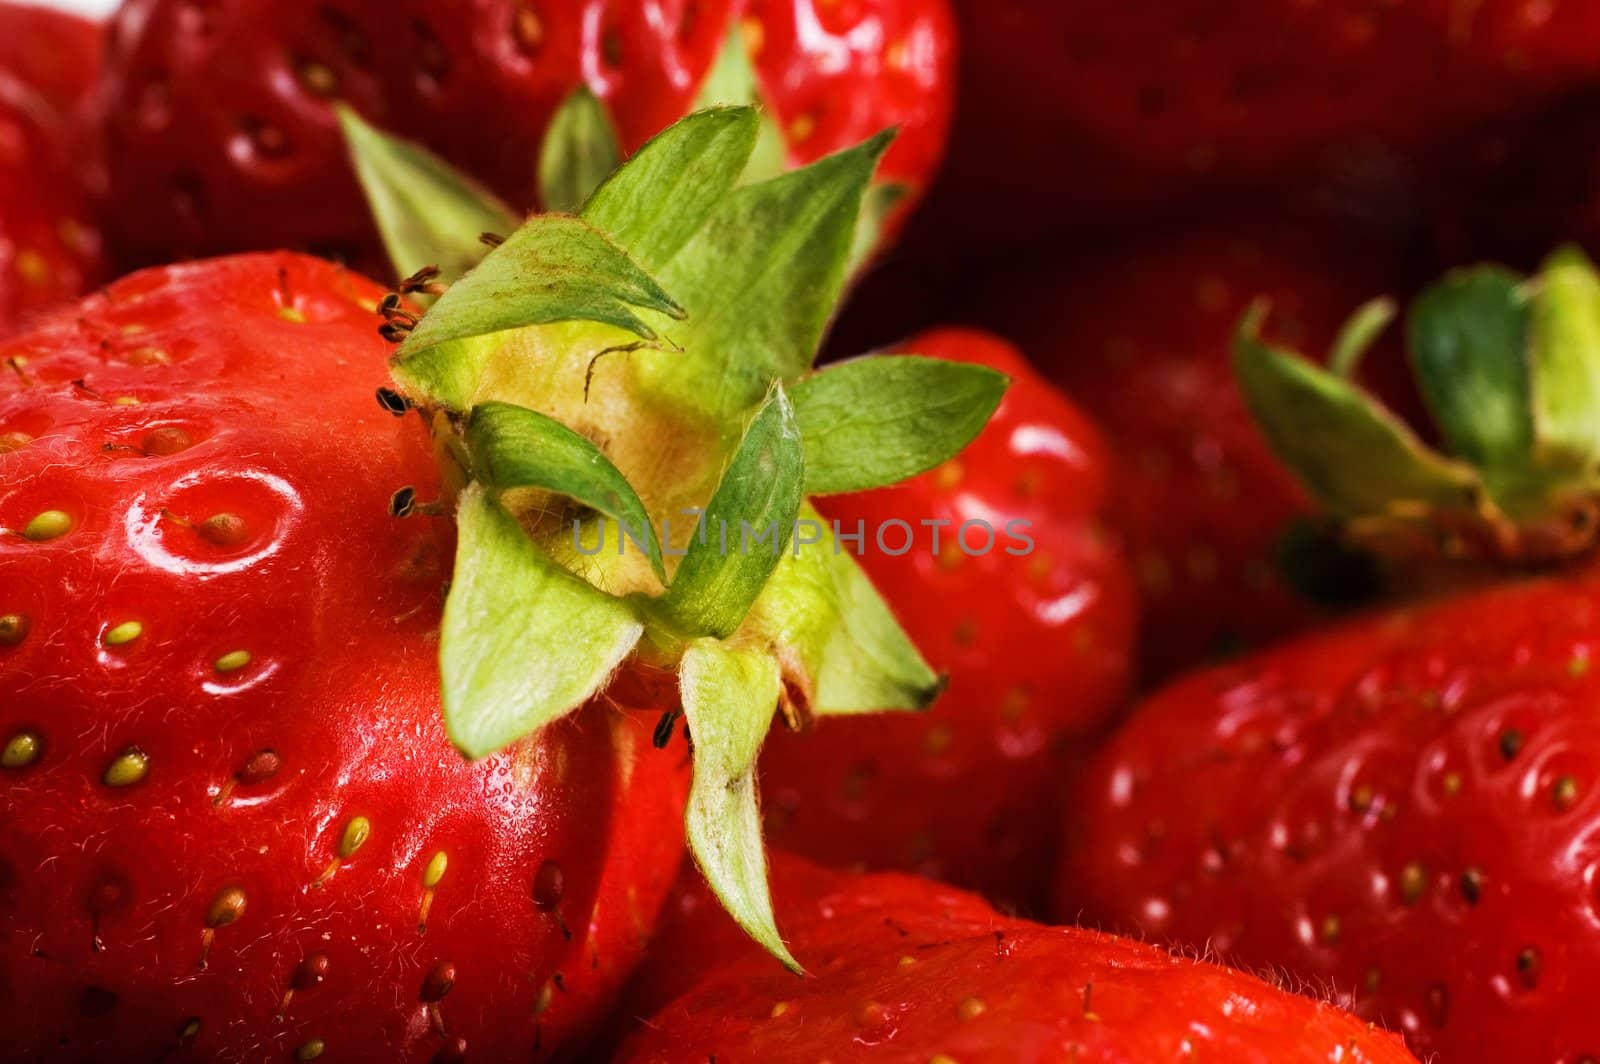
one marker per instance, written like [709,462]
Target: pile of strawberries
[465,596]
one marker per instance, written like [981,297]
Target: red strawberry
[227,796]
[223,655]
[56,53]
[220,134]
[906,970]
[1079,111]
[1402,809]
[1142,337]
[48,252]
[1036,647]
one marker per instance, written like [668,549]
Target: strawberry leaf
[879,420]
[653,206]
[1564,340]
[512,447]
[761,280]
[838,640]
[732,81]
[1351,453]
[1468,336]
[524,642]
[876,208]
[580,150]
[554,269]
[745,528]
[729,696]
[427,213]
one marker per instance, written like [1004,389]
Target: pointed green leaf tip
[873,421]
[745,528]
[729,696]
[1564,359]
[762,279]
[580,151]
[555,268]
[428,213]
[516,448]
[1352,454]
[524,642]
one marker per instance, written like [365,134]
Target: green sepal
[877,207]
[555,268]
[427,212]
[1353,455]
[762,278]
[580,150]
[745,529]
[512,447]
[1358,335]
[1468,339]
[837,639]
[729,696]
[523,642]
[655,204]
[878,420]
[1564,360]
[732,81]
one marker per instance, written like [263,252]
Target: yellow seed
[801,129]
[1413,881]
[435,870]
[941,1058]
[233,661]
[226,907]
[48,525]
[971,1008]
[310,1050]
[31,266]
[13,626]
[355,833]
[148,356]
[907,961]
[21,750]
[127,768]
[292,314]
[125,400]
[126,632]
[779,1009]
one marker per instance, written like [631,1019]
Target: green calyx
[625,402]
[1509,368]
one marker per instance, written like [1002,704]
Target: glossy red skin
[55,53]
[48,251]
[904,970]
[183,86]
[1142,337]
[338,604]
[1080,112]
[1037,650]
[1245,807]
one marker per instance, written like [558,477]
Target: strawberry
[48,251]
[1078,112]
[235,818]
[1037,647]
[204,828]
[1141,336]
[220,132]
[906,970]
[55,53]
[1401,807]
